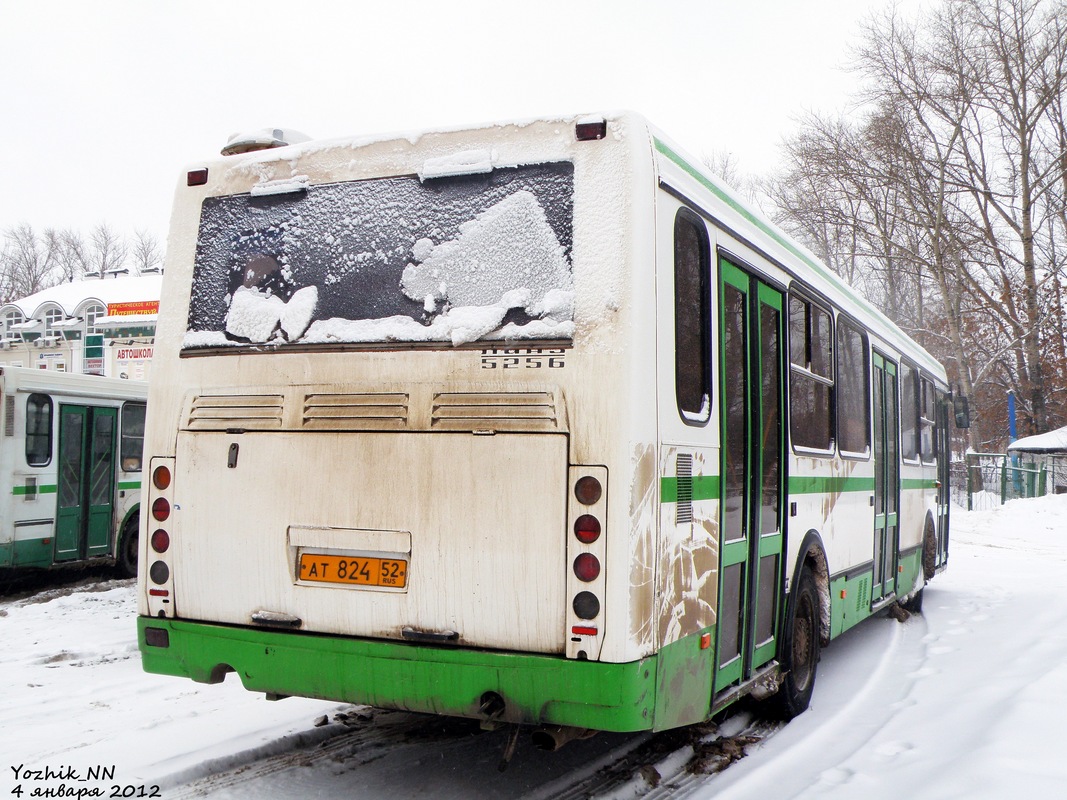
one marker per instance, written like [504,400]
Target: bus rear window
[391,260]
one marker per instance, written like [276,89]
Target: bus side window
[927,417]
[909,412]
[811,375]
[853,403]
[692,255]
[132,436]
[38,430]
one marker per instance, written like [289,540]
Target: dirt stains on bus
[688,559]
[643,500]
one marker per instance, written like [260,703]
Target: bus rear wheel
[126,557]
[800,649]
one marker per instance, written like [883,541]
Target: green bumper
[537,689]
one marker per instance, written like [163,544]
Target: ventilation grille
[863,596]
[356,412]
[515,411]
[684,471]
[9,415]
[240,412]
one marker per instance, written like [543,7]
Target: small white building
[101,326]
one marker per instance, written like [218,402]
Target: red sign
[130,309]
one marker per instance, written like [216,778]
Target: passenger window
[132,436]
[926,420]
[909,412]
[853,402]
[38,430]
[691,270]
[811,376]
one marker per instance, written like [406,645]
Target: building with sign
[100,326]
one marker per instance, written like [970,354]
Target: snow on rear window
[452,259]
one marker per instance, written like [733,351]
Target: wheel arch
[134,513]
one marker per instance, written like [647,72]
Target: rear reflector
[159,593]
[157,637]
[583,630]
[196,177]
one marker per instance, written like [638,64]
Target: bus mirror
[961,408]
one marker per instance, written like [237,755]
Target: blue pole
[1016,478]
[1011,417]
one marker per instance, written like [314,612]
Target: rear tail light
[587,567]
[586,605]
[160,540]
[588,490]
[159,572]
[587,528]
[161,505]
[161,478]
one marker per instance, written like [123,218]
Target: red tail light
[161,478]
[160,541]
[160,509]
[587,567]
[587,528]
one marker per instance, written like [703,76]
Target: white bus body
[449,362]
[70,457]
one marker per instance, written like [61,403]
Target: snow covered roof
[73,295]
[126,320]
[1051,442]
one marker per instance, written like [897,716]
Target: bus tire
[914,604]
[929,550]
[800,649]
[126,557]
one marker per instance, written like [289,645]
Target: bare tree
[145,252]
[949,188]
[108,250]
[72,254]
[28,263]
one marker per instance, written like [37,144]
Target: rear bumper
[438,680]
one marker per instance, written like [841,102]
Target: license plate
[390,573]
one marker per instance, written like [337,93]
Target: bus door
[942,449]
[886,478]
[750,527]
[86,478]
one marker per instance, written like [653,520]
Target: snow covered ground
[965,701]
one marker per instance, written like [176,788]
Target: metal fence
[987,480]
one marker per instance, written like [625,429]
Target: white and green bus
[535,423]
[70,461]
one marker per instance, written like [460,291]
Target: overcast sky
[104,103]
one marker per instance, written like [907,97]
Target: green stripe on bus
[918,483]
[128,485]
[705,487]
[815,484]
[43,489]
